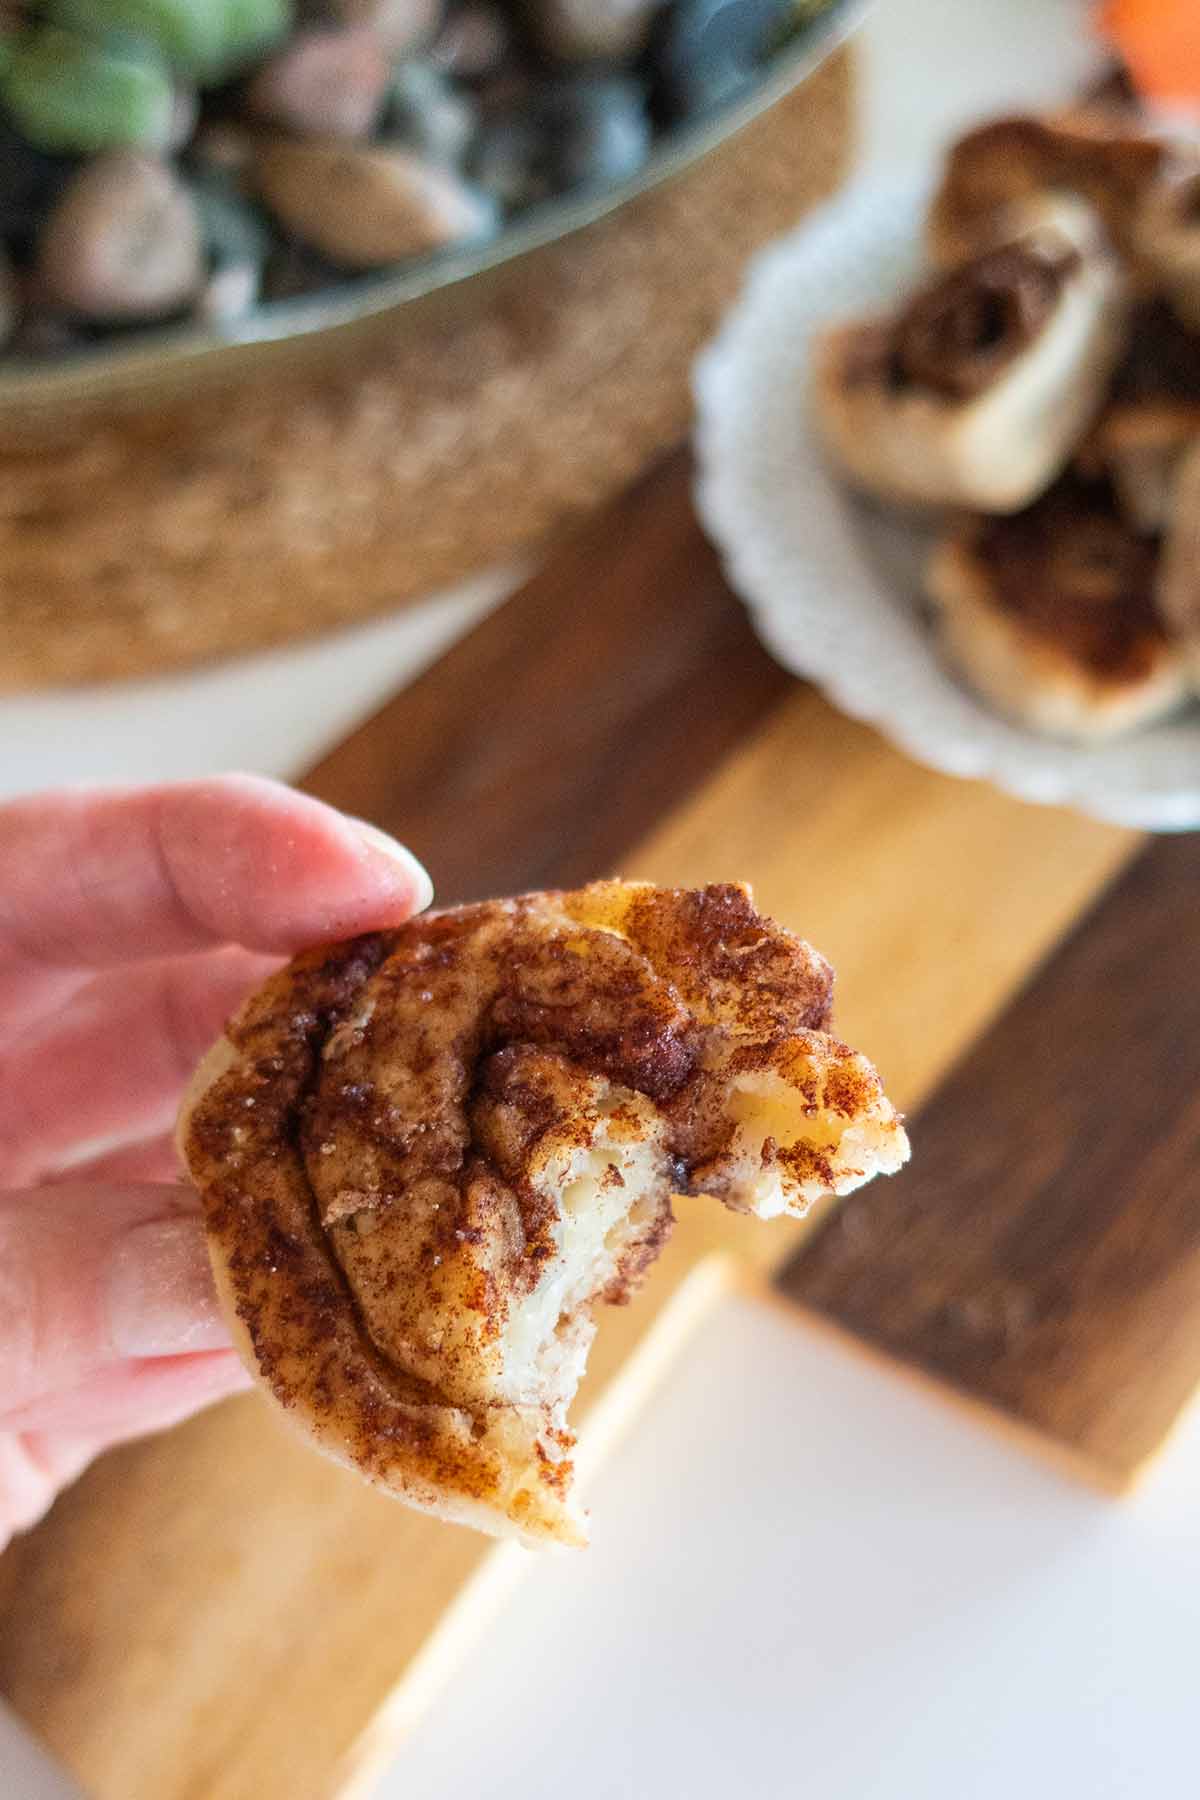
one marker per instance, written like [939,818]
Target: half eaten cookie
[425,1155]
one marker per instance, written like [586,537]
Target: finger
[33,1470]
[29,991]
[145,1159]
[116,875]
[94,1276]
[37,1462]
[133,1397]
[114,1064]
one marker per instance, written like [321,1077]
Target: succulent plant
[64,92]
[206,40]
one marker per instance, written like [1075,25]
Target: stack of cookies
[1041,394]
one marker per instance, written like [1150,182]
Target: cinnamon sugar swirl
[1053,615]
[975,392]
[425,1156]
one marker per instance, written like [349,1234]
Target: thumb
[95,1274]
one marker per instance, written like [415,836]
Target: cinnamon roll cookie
[1179,589]
[1052,615]
[425,1155]
[1102,157]
[1167,237]
[1150,417]
[975,393]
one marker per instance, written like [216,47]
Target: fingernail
[416,873]
[161,1298]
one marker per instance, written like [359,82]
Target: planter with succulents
[193,168]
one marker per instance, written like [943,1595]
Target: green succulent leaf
[205,40]
[65,93]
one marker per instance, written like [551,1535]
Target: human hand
[132,922]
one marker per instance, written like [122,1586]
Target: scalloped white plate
[832,584]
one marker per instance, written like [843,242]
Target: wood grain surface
[221,1615]
[545,743]
[1042,1251]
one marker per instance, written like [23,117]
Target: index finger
[97,877]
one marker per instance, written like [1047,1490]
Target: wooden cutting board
[220,1615]
[1042,1253]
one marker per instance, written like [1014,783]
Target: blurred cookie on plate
[1179,588]
[1151,416]
[1096,153]
[976,391]
[1167,237]
[1052,615]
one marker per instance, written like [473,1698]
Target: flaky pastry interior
[425,1156]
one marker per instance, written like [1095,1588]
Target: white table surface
[808,1576]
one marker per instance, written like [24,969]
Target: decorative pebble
[223,145]
[427,114]
[237,243]
[401,26]
[712,50]
[185,110]
[590,30]
[509,161]
[122,243]
[474,41]
[574,133]
[294,268]
[228,294]
[598,129]
[323,84]
[232,229]
[367,207]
